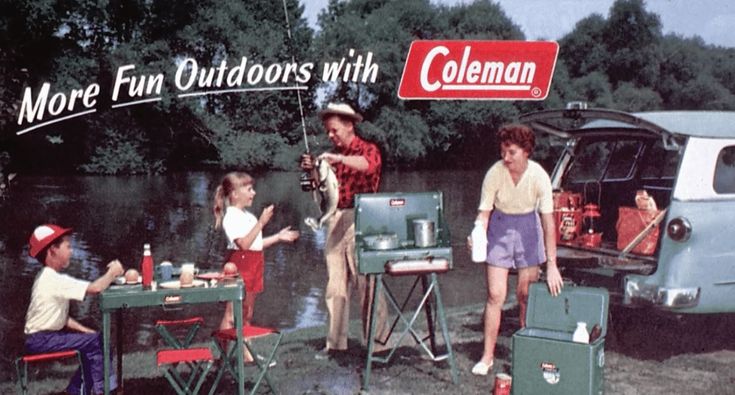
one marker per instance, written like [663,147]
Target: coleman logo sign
[484,70]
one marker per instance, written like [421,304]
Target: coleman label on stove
[550,372]
[397,202]
[478,69]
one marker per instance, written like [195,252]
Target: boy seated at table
[48,326]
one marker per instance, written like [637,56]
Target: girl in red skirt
[245,238]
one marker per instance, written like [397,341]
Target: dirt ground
[644,354]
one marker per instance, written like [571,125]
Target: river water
[114,216]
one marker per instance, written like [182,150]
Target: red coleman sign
[490,70]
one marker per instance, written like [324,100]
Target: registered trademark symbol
[536,92]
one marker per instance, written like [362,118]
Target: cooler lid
[572,305]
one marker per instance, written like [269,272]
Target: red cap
[43,236]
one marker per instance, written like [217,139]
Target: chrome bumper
[638,293]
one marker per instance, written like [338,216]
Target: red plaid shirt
[352,181]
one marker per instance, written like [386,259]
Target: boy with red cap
[48,326]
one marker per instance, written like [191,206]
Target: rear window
[725,171]
[593,156]
[660,163]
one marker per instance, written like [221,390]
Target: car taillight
[679,229]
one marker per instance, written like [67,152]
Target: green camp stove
[545,359]
[404,234]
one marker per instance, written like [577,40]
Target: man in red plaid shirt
[357,165]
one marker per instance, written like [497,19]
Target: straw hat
[341,109]
[43,236]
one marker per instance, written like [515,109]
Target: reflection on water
[113,217]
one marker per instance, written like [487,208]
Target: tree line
[621,60]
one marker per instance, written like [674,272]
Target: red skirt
[250,265]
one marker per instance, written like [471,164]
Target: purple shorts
[515,241]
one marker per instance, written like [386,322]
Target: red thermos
[146,266]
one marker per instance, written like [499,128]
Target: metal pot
[423,233]
[383,241]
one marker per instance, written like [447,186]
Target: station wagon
[685,161]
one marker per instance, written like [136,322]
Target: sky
[712,20]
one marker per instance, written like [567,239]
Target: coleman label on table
[550,372]
[473,69]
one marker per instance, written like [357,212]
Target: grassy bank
[638,368]
[298,372]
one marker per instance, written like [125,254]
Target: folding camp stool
[21,365]
[200,359]
[165,328]
[228,355]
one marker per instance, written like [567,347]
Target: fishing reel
[307,182]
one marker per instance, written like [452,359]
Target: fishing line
[293,60]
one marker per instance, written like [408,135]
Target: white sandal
[481,368]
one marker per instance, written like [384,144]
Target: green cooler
[545,359]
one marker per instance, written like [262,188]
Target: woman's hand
[553,278]
[287,235]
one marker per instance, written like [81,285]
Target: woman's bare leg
[497,288]
[526,276]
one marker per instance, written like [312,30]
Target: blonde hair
[230,182]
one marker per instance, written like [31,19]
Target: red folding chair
[228,358]
[169,328]
[201,361]
[21,365]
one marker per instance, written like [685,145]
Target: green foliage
[121,153]
[482,20]
[593,88]
[723,67]
[584,47]
[250,150]
[631,36]
[632,99]
[703,92]
[620,61]
[401,135]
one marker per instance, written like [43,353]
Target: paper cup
[166,270]
[186,279]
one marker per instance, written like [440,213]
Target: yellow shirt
[533,191]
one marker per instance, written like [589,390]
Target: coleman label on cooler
[550,372]
[468,69]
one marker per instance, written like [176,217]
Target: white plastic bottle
[580,334]
[479,242]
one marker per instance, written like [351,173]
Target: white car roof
[715,124]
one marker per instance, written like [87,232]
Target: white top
[238,223]
[533,191]
[49,307]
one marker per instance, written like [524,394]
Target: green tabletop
[128,296]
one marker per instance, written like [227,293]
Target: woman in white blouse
[516,208]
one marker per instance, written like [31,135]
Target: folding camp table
[120,298]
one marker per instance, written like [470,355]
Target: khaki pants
[343,276]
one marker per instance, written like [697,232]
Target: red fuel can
[502,384]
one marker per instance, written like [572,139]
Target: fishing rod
[298,90]
[308,179]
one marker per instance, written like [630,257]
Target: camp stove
[386,233]
[404,234]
